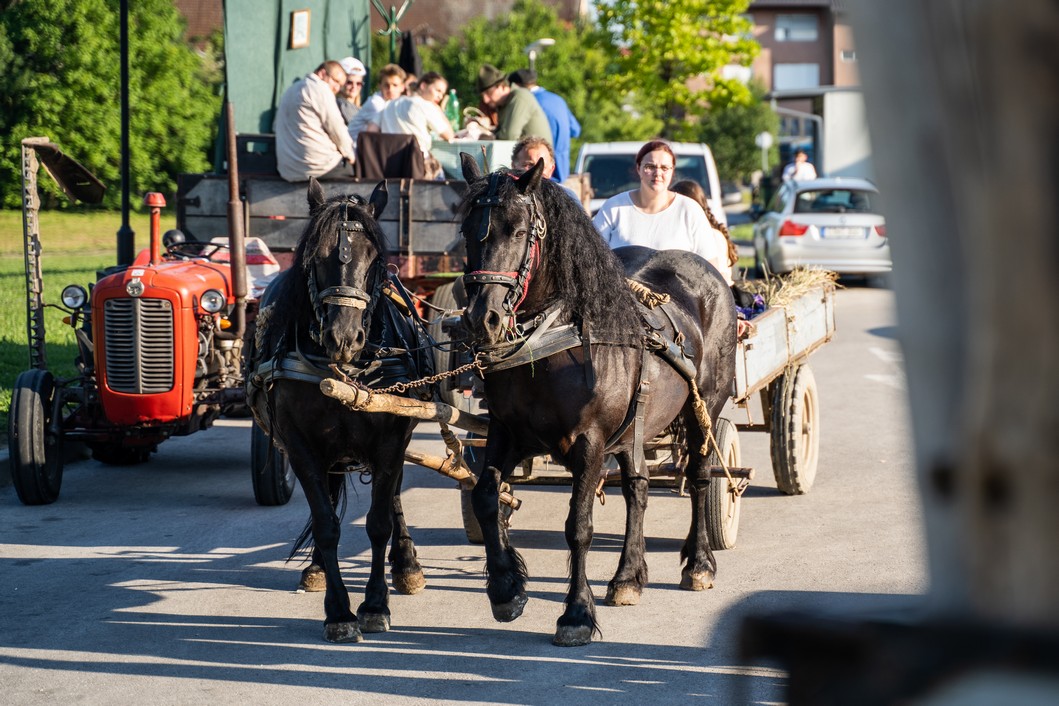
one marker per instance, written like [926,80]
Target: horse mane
[290,302]
[589,278]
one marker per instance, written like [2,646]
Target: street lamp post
[534,48]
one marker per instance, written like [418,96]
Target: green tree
[62,81]
[666,58]
[730,132]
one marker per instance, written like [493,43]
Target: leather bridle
[516,282]
[344,295]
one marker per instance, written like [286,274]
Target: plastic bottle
[452,109]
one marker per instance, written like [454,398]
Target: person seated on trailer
[311,137]
[693,190]
[421,115]
[349,97]
[391,85]
[518,112]
[528,151]
[655,217]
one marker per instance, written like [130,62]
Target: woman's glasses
[660,168]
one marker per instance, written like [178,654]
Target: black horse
[330,308]
[578,369]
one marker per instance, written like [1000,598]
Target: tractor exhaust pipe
[155,202]
[236,236]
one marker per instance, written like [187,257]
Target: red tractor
[160,350]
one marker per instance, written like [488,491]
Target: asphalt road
[165,583]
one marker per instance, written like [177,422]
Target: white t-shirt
[414,115]
[799,171]
[368,113]
[311,135]
[681,226]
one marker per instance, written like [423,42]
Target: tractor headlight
[134,288]
[74,296]
[213,301]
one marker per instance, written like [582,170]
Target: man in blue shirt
[562,122]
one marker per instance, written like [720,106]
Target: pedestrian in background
[311,137]
[349,96]
[518,112]
[801,169]
[561,120]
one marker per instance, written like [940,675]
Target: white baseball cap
[353,66]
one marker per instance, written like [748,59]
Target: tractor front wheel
[36,451]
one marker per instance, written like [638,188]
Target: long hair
[589,278]
[694,191]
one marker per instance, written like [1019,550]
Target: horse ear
[529,181]
[470,167]
[316,194]
[379,198]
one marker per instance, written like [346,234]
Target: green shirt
[521,116]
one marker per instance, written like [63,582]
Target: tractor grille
[138,335]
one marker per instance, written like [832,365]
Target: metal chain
[476,364]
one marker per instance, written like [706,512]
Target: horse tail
[337,487]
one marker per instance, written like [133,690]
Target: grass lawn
[74,245]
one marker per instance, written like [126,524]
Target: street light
[534,48]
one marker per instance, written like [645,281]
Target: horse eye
[520,234]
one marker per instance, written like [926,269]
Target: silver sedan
[832,223]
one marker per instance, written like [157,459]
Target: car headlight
[213,301]
[74,296]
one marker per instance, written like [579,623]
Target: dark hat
[488,76]
[523,77]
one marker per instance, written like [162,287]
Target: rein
[517,282]
[344,295]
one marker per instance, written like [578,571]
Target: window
[848,55]
[834,201]
[796,28]
[793,76]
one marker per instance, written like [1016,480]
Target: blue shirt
[564,126]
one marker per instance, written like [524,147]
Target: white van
[612,166]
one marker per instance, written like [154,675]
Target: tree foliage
[61,80]
[666,58]
[642,69]
[730,133]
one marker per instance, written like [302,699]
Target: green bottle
[452,109]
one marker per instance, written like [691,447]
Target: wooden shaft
[362,401]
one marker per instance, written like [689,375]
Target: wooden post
[963,107]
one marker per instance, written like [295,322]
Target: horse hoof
[374,622]
[409,584]
[572,635]
[313,580]
[342,632]
[696,581]
[506,612]
[623,595]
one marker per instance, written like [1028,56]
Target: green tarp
[260,62]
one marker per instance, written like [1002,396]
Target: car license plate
[848,232]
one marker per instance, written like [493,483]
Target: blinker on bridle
[342,295]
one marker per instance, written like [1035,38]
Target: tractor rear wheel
[36,453]
[271,473]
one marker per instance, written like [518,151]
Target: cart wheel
[36,456]
[272,475]
[446,297]
[795,433]
[722,505]
[474,456]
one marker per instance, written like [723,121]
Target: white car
[612,166]
[832,223]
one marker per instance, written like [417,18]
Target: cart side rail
[783,336]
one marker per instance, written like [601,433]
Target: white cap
[353,67]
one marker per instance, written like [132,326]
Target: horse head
[504,229]
[343,261]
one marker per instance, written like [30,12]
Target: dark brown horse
[535,262]
[329,308]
